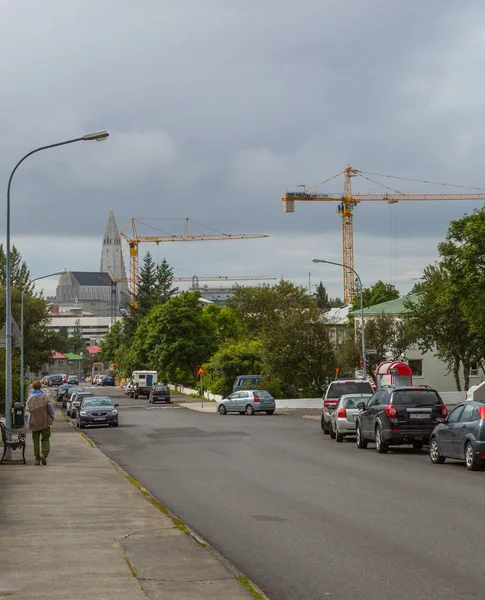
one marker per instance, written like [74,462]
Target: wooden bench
[15,443]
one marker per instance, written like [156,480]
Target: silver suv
[339,388]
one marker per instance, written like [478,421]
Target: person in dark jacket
[41,419]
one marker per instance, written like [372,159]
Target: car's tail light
[255,398]
[481,412]
[342,413]
[444,412]
[391,411]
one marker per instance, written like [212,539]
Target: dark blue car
[461,436]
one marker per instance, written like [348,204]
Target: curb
[252,588]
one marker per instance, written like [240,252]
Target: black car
[461,436]
[396,416]
[108,381]
[61,391]
[160,393]
[78,397]
[55,380]
[97,411]
[69,392]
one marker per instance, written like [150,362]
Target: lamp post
[22,328]
[96,136]
[329,262]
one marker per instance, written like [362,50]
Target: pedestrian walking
[41,418]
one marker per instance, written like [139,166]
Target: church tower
[112,257]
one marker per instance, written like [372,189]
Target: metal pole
[98,136]
[329,262]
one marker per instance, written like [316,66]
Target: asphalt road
[304,517]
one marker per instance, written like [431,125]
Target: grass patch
[249,586]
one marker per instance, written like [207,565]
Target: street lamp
[96,136]
[329,262]
[22,328]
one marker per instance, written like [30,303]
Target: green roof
[393,307]
[71,356]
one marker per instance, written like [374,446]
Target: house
[427,368]
[337,320]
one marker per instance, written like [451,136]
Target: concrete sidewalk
[78,528]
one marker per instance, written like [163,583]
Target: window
[416,367]
[474,369]
[376,398]
[455,414]
[470,413]
[348,387]
[416,398]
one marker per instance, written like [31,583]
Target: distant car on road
[248,402]
[396,416]
[461,436]
[55,380]
[344,416]
[128,388]
[97,411]
[160,393]
[335,390]
[73,379]
[107,380]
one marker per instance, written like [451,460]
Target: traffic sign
[201,371]
[393,371]
[16,335]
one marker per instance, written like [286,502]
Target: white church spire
[111,256]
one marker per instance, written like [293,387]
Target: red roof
[93,349]
[57,355]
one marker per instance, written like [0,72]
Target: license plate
[100,418]
[420,416]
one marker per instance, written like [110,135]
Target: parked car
[461,436]
[97,411]
[248,402]
[128,388]
[343,418]
[55,380]
[75,402]
[397,416]
[332,396]
[61,391]
[107,380]
[69,392]
[73,379]
[160,393]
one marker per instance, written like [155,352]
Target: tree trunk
[456,373]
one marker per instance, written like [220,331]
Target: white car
[127,387]
[342,419]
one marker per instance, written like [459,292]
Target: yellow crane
[135,240]
[347,202]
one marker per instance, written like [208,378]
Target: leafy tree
[177,337]
[164,283]
[322,299]
[225,323]
[20,274]
[335,302]
[232,359]
[377,294]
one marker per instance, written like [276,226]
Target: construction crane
[347,202]
[135,240]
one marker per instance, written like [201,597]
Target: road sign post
[200,372]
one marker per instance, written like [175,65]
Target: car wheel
[222,409]
[418,445]
[331,431]
[249,410]
[270,412]
[471,463]
[339,437]
[381,447]
[361,443]
[434,452]
[324,426]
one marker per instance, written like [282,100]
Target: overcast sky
[217,107]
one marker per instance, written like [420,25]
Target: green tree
[336,302]
[322,299]
[146,292]
[377,294]
[164,283]
[20,274]
[232,359]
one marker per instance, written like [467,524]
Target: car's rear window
[161,388]
[353,402]
[352,387]
[415,398]
[262,394]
